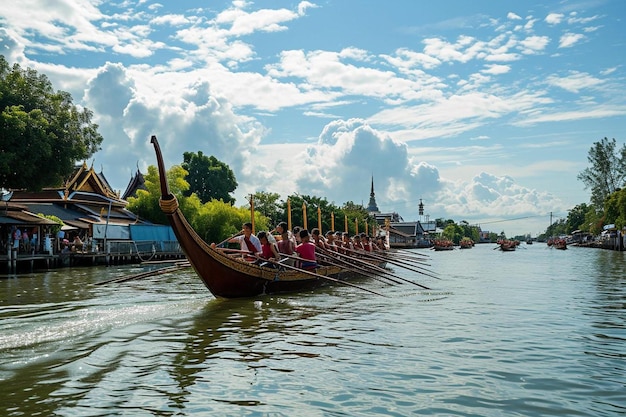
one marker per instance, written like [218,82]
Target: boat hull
[228,276]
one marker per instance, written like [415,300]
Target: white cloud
[496,69]
[534,44]
[569,39]
[574,81]
[554,18]
[219,80]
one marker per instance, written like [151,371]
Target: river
[535,332]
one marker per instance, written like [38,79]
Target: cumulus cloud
[10,47]
[340,164]
[534,44]
[574,81]
[493,196]
[554,18]
[187,116]
[569,39]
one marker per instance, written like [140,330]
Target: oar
[405,257]
[386,272]
[383,259]
[304,271]
[144,274]
[356,268]
[406,254]
[229,238]
[352,268]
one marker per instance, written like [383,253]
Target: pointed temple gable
[137,182]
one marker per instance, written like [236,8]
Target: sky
[485,110]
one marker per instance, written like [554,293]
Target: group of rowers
[299,245]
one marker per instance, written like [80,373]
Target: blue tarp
[136,232]
[113,231]
[152,232]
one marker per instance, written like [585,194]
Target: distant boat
[466,243]
[507,245]
[443,244]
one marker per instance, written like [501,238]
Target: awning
[26,218]
[77,224]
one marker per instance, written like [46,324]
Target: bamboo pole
[288,214]
[304,216]
[319,220]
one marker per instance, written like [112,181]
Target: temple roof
[372,207]
[137,182]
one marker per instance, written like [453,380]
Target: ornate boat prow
[225,276]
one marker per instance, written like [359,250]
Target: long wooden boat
[443,244]
[507,245]
[228,277]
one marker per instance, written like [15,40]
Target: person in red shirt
[269,251]
[306,250]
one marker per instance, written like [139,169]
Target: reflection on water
[534,332]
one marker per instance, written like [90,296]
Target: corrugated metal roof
[57,210]
[29,218]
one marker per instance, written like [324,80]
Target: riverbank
[118,253]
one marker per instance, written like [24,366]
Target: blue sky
[485,110]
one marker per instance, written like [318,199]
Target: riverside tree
[213,221]
[607,171]
[43,133]
[209,178]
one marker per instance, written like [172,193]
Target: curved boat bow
[223,275]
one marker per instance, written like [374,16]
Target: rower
[306,250]
[269,251]
[318,239]
[248,241]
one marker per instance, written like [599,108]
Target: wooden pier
[15,262]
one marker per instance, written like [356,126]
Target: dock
[117,253]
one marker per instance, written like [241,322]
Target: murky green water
[528,333]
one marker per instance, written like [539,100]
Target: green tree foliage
[557,228]
[268,205]
[214,221]
[594,221]
[43,133]
[442,223]
[357,215]
[453,232]
[607,171]
[146,204]
[56,228]
[209,178]
[469,231]
[615,209]
[576,218]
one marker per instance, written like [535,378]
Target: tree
[576,217]
[607,171]
[268,205]
[615,209]
[146,204]
[43,133]
[327,210]
[209,178]
[214,221]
